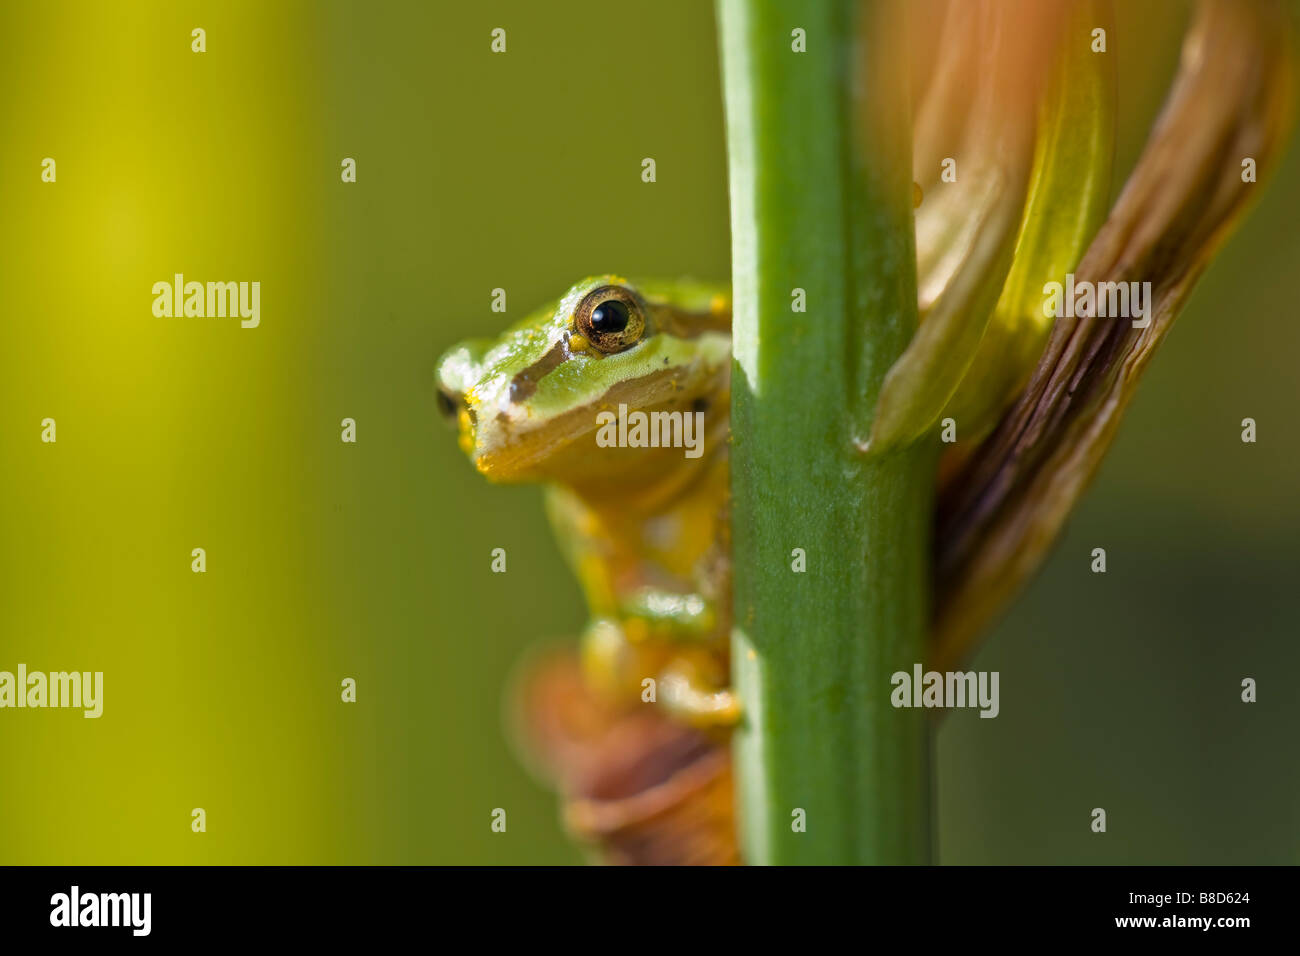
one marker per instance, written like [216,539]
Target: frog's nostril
[448,405]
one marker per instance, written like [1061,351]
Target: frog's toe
[697,703]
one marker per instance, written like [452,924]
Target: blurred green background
[328,560]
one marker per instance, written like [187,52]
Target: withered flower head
[1027,111]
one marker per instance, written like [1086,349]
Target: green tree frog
[643,523]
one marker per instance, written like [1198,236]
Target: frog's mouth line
[507,449]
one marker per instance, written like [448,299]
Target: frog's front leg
[619,659]
[690,697]
[653,614]
[661,615]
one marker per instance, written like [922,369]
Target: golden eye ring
[611,318]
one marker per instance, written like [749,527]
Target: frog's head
[529,405]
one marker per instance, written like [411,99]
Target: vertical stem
[820,152]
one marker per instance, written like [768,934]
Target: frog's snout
[456,412]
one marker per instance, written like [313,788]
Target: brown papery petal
[637,788]
[1232,99]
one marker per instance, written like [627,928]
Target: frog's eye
[611,318]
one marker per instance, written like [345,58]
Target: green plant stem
[819,148]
